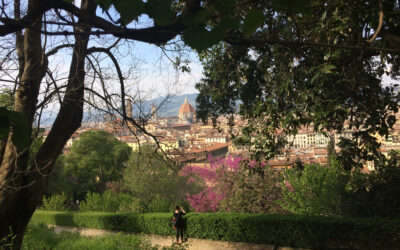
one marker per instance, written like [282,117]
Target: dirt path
[163,241]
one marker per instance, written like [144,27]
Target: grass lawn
[40,237]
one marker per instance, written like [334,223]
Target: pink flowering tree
[235,184]
[212,177]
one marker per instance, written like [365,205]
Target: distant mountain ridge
[169,108]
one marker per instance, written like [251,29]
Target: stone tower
[128,107]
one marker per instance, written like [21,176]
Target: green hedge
[281,230]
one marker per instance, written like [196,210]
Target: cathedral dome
[186,109]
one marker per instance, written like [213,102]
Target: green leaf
[19,125]
[4,127]
[297,6]
[197,37]
[160,11]
[218,33]
[104,4]
[328,68]
[20,137]
[253,20]
[224,4]
[129,9]
[200,17]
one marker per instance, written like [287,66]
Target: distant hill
[169,108]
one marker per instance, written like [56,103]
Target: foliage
[36,143]
[235,185]
[323,190]
[150,177]
[214,191]
[254,188]
[12,121]
[96,158]
[280,230]
[59,180]
[150,223]
[198,25]
[56,202]
[15,122]
[160,205]
[375,194]
[7,98]
[40,237]
[283,78]
[111,202]
[317,190]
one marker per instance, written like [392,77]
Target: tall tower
[153,113]
[128,107]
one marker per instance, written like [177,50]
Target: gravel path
[163,241]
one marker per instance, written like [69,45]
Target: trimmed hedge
[281,230]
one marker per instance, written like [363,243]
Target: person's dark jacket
[179,219]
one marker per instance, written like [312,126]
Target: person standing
[178,216]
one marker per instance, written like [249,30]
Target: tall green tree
[317,190]
[153,179]
[321,65]
[96,158]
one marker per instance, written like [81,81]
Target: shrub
[317,190]
[253,189]
[159,205]
[111,202]
[314,232]
[56,202]
[375,194]
[129,204]
[149,176]
[234,184]
[106,202]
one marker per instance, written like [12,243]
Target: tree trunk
[330,149]
[22,187]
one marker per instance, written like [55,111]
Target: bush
[56,202]
[375,194]
[148,177]
[314,232]
[129,204]
[159,205]
[111,202]
[317,190]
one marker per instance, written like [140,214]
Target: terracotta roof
[186,107]
[211,148]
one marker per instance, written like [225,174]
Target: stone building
[187,113]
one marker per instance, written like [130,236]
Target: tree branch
[379,24]
[255,42]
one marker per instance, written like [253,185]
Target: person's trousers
[179,230]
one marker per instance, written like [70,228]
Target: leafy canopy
[153,179]
[313,68]
[96,158]
[211,23]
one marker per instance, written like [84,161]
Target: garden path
[168,241]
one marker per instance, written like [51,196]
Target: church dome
[186,109]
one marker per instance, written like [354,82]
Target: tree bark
[22,187]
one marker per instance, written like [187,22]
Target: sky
[155,75]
